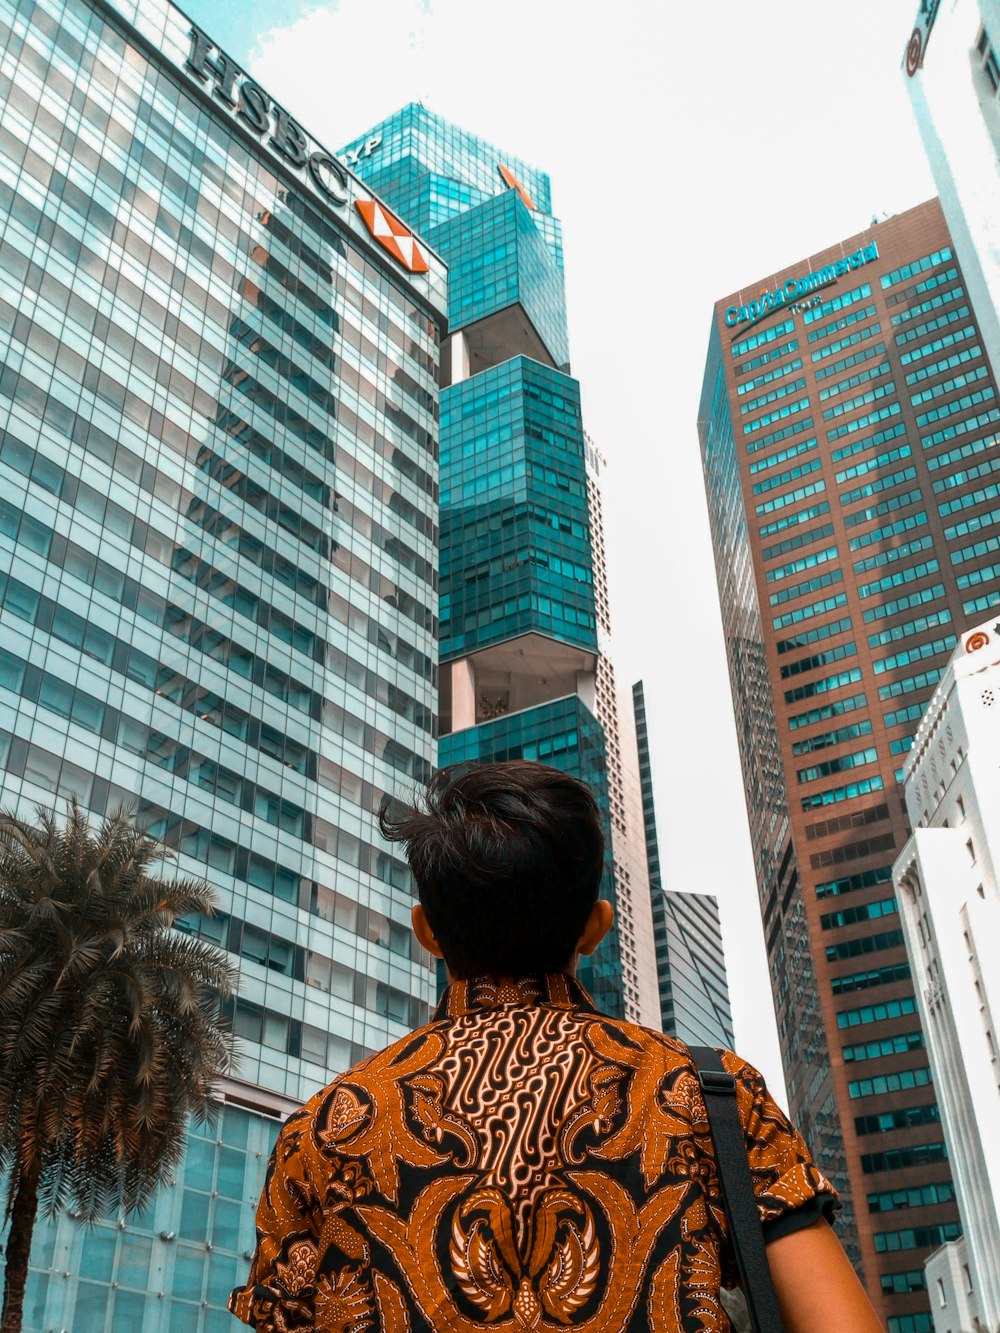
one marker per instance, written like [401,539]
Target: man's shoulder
[388,1063]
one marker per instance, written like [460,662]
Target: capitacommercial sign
[799,289]
[258,112]
[913,57]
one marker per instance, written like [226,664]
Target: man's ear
[600,921]
[423,932]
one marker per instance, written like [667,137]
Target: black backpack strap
[719,1090]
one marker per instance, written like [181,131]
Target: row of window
[876,976]
[907,628]
[873,464]
[916,654]
[842,763]
[938,344]
[851,297]
[889,530]
[934,303]
[877,1013]
[765,441]
[856,317]
[904,603]
[877,437]
[938,367]
[919,288]
[851,916]
[792,520]
[888,939]
[916,1196]
[766,358]
[794,590]
[925,680]
[783,478]
[864,879]
[804,562]
[916,1238]
[779,373]
[900,1044]
[850,404]
[798,541]
[852,340]
[893,554]
[902,1080]
[783,455]
[902,1159]
[874,487]
[846,363]
[917,266]
[814,635]
[851,851]
[899,1284]
[883,507]
[849,792]
[963,427]
[984,469]
[983,445]
[823,686]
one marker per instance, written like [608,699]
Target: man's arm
[816,1285]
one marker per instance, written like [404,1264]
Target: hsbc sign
[255,109]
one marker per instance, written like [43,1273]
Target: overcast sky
[694,149]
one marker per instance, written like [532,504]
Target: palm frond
[110,1036]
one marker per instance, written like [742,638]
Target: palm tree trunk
[22,1225]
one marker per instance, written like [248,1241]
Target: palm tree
[110,1035]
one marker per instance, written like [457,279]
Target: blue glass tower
[519,624]
[218,567]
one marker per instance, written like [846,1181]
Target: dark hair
[508,860]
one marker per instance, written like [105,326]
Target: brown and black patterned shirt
[520,1163]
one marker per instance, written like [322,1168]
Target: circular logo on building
[976,641]
[914,52]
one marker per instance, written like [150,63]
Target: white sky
[693,149]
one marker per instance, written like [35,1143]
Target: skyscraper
[848,433]
[951,68]
[687,932]
[218,555]
[524,669]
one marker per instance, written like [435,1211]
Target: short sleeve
[792,1192]
[279,1293]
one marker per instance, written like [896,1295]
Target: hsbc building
[218,569]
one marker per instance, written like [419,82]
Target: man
[522,1162]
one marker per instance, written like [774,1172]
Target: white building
[949,904]
[954,1299]
[952,71]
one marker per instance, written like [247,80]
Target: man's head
[508,861]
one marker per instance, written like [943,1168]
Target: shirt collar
[556,990]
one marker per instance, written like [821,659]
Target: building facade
[848,431]
[951,67]
[525,670]
[687,933]
[949,903]
[218,564]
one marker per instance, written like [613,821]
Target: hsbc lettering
[260,113]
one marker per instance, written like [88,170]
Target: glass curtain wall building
[849,437]
[690,961]
[218,565]
[520,645]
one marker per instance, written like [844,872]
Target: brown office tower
[848,430]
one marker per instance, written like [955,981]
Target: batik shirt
[521,1163]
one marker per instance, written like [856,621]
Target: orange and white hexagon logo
[393,235]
